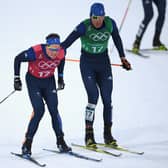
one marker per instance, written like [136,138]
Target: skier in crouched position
[95,67]
[42,60]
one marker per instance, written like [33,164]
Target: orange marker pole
[76,60]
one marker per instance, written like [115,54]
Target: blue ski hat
[51,41]
[97,9]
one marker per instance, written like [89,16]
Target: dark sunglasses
[53,49]
[95,17]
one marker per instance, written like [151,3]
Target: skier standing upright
[42,60]
[148,12]
[95,67]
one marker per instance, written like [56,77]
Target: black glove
[125,64]
[61,83]
[17,84]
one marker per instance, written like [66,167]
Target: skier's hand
[17,84]
[125,64]
[61,83]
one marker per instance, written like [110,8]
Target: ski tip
[99,160]
[118,155]
[12,153]
[141,153]
[44,165]
[154,49]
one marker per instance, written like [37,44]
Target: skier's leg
[38,107]
[161,7]
[148,14]
[50,96]
[89,80]
[105,82]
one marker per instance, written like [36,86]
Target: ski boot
[136,46]
[159,46]
[62,146]
[89,137]
[108,138]
[26,147]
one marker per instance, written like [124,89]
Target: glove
[61,83]
[125,64]
[17,84]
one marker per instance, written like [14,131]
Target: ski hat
[51,41]
[97,9]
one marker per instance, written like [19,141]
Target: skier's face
[52,50]
[97,21]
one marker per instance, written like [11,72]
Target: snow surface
[139,97]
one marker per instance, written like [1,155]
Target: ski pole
[125,14]
[76,60]
[123,20]
[7,96]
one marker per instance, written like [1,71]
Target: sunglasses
[53,49]
[95,17]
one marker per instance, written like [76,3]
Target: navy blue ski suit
[39,89]
[96,70]
[148,15]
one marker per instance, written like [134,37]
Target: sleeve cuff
[60,75]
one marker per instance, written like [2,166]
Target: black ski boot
[157,44]
[108,138]
[26,147]
[62,146]
[89,137]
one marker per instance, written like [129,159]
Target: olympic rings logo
[99,36]
[48,64]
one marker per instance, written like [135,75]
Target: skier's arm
[25,56]
[118,43]
[60,69]
[74,35]
[117,40]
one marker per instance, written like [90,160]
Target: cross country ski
[28,158]
[77,155]
[120,148]
[97,149]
